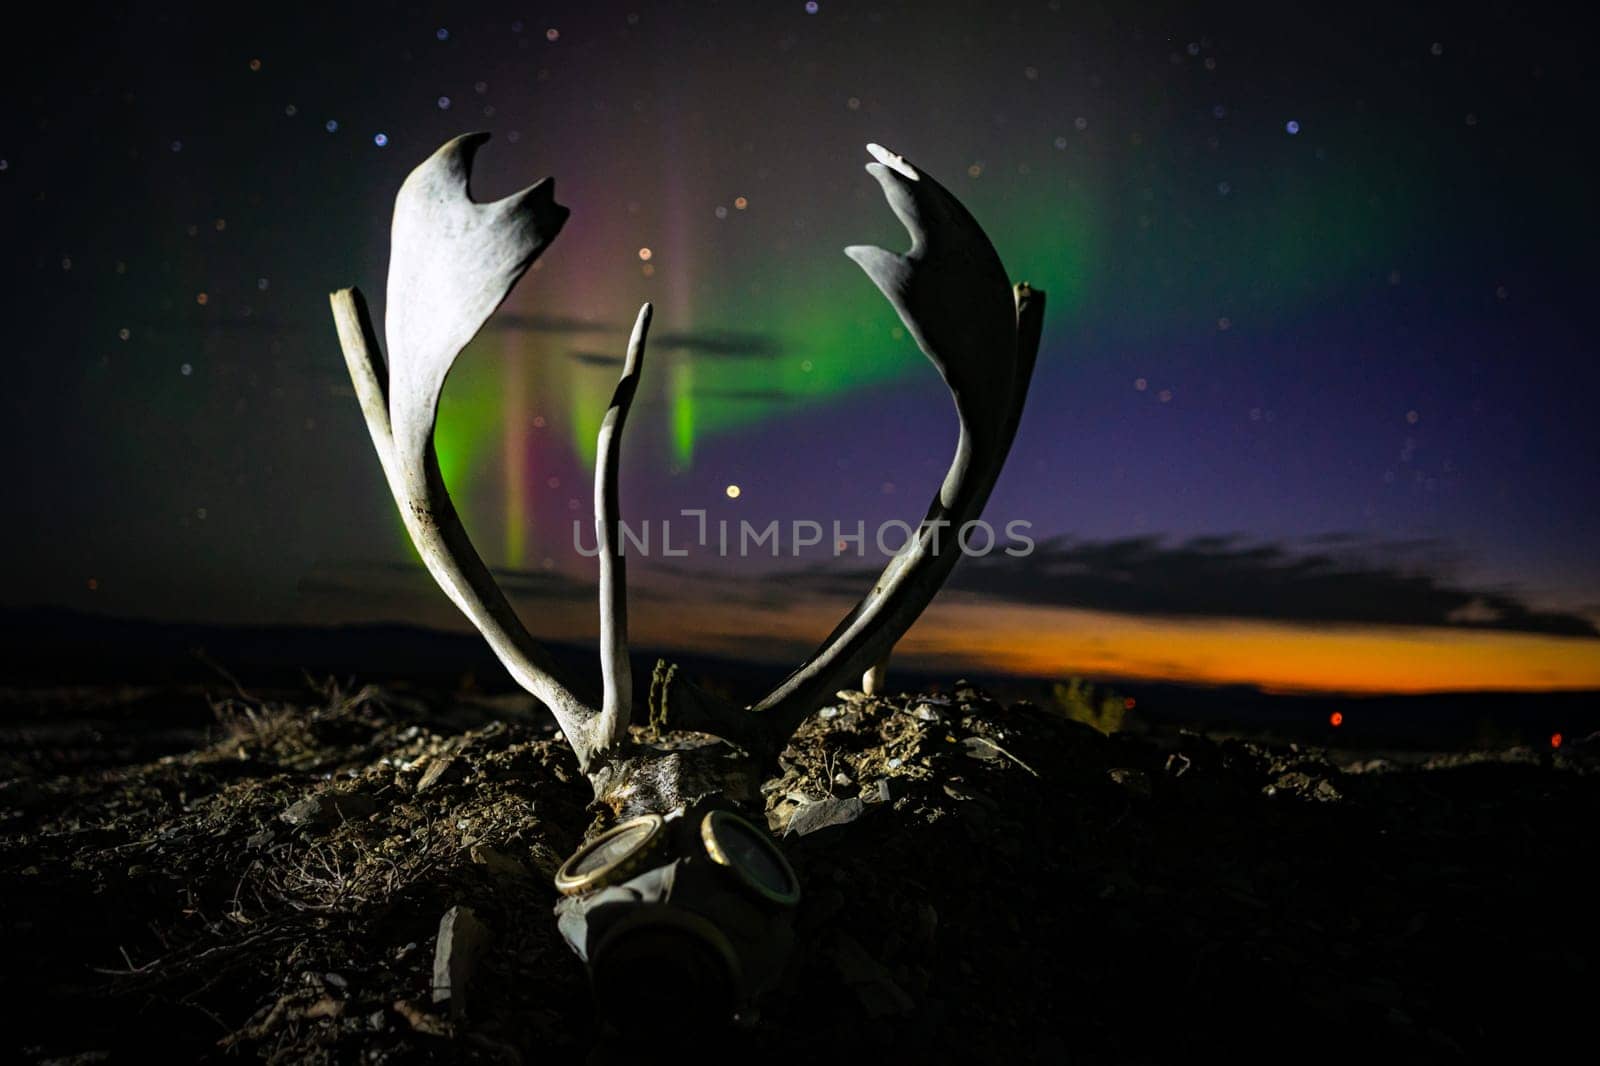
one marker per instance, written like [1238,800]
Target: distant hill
[44,647]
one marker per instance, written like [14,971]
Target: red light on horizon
[1555,740]
[1336,719]
[1128,704]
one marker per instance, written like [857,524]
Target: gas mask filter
[682,919]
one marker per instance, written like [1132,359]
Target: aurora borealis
[1317,289]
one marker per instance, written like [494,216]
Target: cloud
[395,580]
[398,581]
[516,322]
[717,344]
[714,343]
[1227,577]
[596,359]
[727,344]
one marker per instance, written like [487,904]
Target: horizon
[779,652]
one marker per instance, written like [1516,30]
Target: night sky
[1315,407]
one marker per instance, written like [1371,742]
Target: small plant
[1101,708]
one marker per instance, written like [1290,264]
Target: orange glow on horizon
[964,632]
[1277,657]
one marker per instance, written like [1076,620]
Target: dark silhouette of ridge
[46,646]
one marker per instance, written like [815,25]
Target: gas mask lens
[746,851]
[611,856]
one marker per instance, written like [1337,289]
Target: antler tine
[873,680]
[951,292]
[452,262]
[616,709]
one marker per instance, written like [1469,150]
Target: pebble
[1136,782]
[435,772]
[497,862]
[461,940]
[328,808]
[822,813]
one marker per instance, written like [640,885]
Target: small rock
[956,792]
[880,792]
[498,862]
[545,860]
[1135,782]
[462,938]
[436,771]
[1303,786]
[326,1007]
[869,979]
[981,748]
[965,794]
[328,808]
[21,794]
[820,814]
[420,1020]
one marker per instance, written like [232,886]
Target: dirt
[232,875]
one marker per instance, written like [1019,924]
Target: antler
[616,674]
[983,336]
[452,262]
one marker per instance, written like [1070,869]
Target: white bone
[452,262]
[983,336]
[616,709]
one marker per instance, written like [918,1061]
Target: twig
[221,671]
[1008,755]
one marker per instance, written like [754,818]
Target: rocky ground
[233,875]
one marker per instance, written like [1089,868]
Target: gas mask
[682,918]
